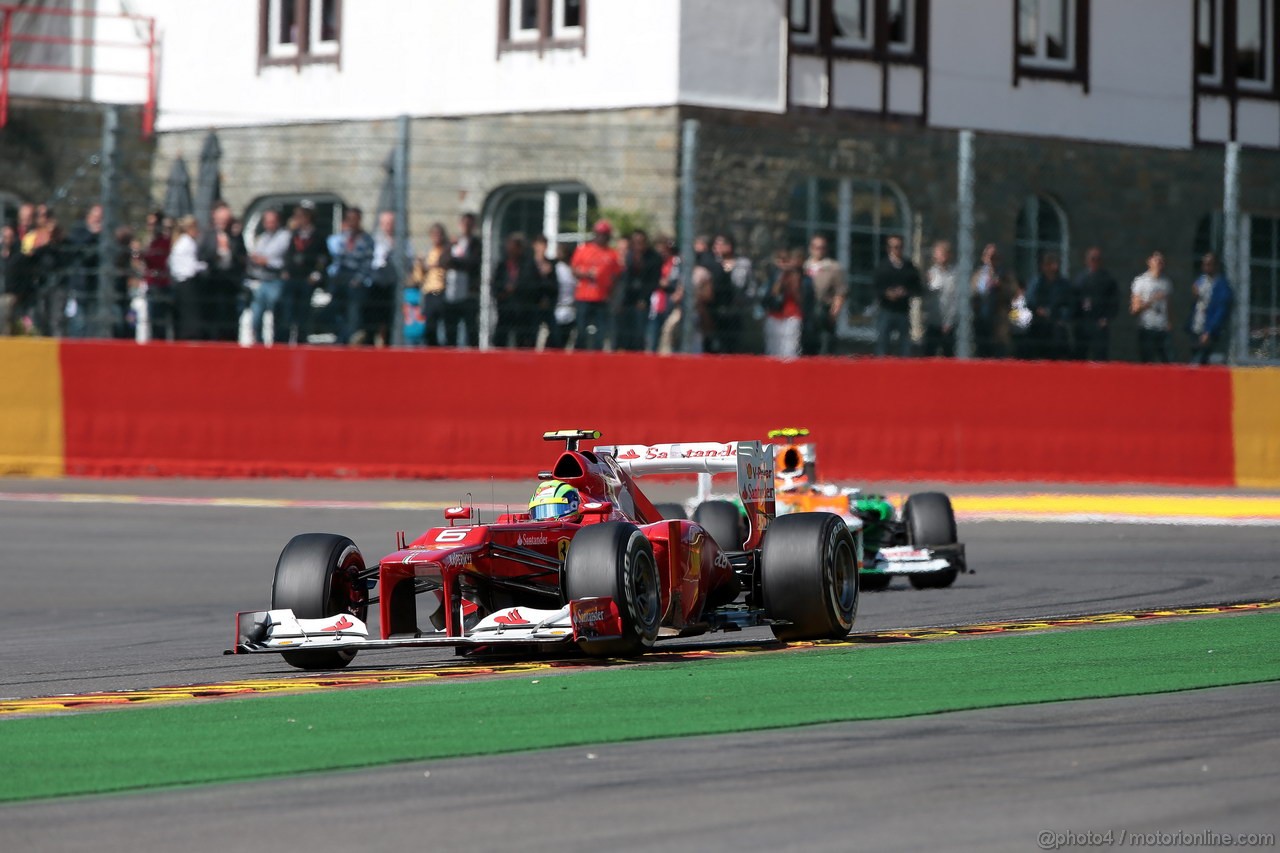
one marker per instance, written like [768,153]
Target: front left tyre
[317,576]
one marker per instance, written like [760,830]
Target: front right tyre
[318,576]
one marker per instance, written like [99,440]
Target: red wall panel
[213,410]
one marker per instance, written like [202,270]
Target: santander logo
[341,625]
[512,617]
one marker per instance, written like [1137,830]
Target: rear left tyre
[318,576]
[671,511]
[615,560]
[810,577]
[723,522]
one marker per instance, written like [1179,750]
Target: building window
[1235,45]
[880,28]
[856,216]
[296,31]
[540,24]
[1253,45]
[1042,228]
[1052,39]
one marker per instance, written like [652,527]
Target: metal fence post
[964,245]
[104,315]
[1239,349]
[688,213]
[399,255]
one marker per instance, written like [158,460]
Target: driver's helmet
[790,469]
[554,499]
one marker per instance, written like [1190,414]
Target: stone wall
[628,158]
[45,156]
[1127,200]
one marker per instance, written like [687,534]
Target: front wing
[906,560]
[265,631]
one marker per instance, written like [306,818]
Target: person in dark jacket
[304,265]
[1099,302]
[1054,306]
[222,250]
[896,282]
[1211,312]
[516,288]
[639,279]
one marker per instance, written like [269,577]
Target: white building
[1098,121]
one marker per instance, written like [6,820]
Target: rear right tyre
[810,576]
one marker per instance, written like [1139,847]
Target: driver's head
[554,499]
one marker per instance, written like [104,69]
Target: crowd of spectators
[616,291]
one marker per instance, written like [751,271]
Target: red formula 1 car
[611,576]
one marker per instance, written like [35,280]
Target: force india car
[612,580]
[919,541]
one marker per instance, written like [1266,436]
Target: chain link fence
[777,191]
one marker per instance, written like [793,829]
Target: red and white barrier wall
[118,409]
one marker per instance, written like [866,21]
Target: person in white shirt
[1149,303]
[185,268]
[939,306]
[266,270]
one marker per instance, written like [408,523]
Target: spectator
[155,275]
[185,268]
[26,220]
[1099,301]
[731,285]
[304,268]
[664,298]
[461,283]
[351,268]
[376,319]
[515,291]
[830,290]
[82,262]
[641,272]
[224,256]
[1149,302]
[39,272]
[597,267]
[10,251]
[787,303]
[544,266]
[565,314]
[1208,319]
[1055,307]
[267,254]
[429,273]
[896,282]
[940,304]
[993,291]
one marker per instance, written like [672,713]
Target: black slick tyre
[318,576]
[930,520]
[670,511]
[878,582]
[723,522]
[615,560]
[810,576]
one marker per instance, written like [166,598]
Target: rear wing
[751,460]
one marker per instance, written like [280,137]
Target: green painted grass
[278,735]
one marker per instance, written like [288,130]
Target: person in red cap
[596,266]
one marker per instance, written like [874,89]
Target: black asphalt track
[116,596]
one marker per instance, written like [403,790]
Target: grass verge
[281,735]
